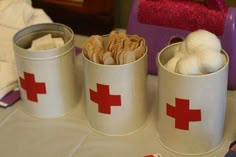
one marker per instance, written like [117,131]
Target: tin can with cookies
[115,70]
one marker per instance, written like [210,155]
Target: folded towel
[8,80]
[9,92]
[183,14]
[16,14]
[6,3]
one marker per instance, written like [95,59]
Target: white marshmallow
[200,38]
[43,43]
[58,42]
[188,65]
[46,42]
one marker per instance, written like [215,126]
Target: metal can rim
[43,54]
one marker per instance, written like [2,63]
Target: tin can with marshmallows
[47,80]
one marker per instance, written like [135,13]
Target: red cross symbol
[182,114]
[32,88]
[103,98]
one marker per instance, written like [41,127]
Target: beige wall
[122,9]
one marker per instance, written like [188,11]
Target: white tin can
[47,80]
[191,109]
[116,96]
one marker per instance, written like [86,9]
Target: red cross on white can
[191,109]
[46,78]
[116,96]
[31,87]
[103,98]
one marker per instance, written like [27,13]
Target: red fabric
[184,14]
[215,4]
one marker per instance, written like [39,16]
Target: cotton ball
[224,58]
[179,54]
[188,65]
[200,38]
[171,64]
[210,61]
[182,48]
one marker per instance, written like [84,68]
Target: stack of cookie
[119,48]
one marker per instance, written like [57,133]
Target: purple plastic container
[157,37]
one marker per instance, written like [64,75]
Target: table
[22,135]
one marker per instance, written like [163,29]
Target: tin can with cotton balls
[191,99]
